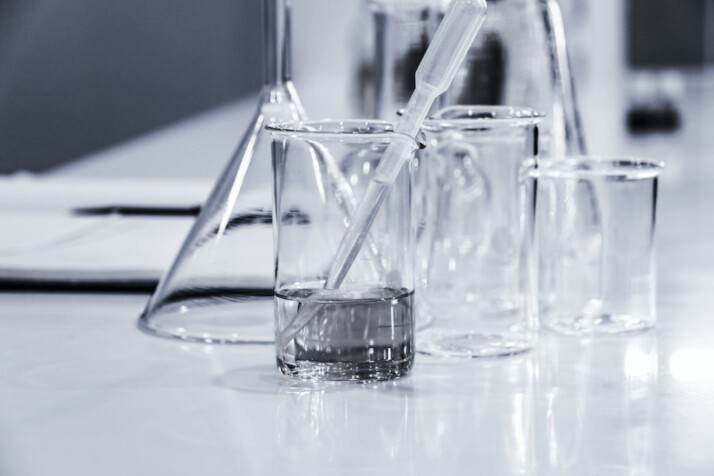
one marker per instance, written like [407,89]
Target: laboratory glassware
[476,274]
[402,31]
[219,287]
[520,58]
[365,329]
[445,54]
[595,228]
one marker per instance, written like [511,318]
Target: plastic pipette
[437,69]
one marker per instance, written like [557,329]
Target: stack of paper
[92,233]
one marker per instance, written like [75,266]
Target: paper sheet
[44,243]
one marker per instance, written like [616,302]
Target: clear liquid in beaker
[354,335]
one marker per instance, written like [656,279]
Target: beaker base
[598,324]
[471,344]
[346,371]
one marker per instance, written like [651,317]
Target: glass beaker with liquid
[363,330]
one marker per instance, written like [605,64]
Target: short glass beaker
[475,276]
[363,330]
[595,224]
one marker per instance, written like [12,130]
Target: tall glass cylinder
[403,30]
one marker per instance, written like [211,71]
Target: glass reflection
[452,416]
[595,405]
[342,426]
[482,420]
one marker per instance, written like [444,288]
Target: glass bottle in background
[520,58]
[219,288]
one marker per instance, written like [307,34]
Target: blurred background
[79,77]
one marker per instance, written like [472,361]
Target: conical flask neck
[276,42]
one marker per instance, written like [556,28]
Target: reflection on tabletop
[572,406]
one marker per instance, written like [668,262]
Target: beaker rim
[592,166]
[340,129]
[482,117]
[333,127]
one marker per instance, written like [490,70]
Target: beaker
[519,58]
[475,268]
[219,287]
[595,223]
[363,330]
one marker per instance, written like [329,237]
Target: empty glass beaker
[364,329]
[219,287]
[595,222]
[476,275]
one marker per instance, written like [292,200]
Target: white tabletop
[84,392]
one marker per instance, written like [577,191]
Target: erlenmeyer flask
[219,288]
[519,59]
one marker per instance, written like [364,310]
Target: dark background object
[486,74]
[81,75]
[668,33]
[659,116]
